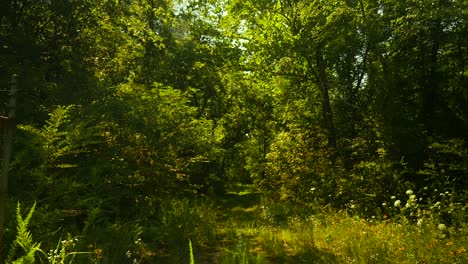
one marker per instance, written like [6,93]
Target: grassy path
[246,234]
[250,230]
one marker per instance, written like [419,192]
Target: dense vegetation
[261,131]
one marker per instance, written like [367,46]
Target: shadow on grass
[242,238]
[239,207]
[312,255]
[242,200]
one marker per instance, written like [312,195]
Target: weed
[242,253]
[192,259]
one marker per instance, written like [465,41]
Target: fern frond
[23,239]
[29,216]
[30,256]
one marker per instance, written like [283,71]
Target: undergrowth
[23,249]
[262,232]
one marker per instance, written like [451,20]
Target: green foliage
[446,166]
[130,112]
[63,252]
[192,258]
[242,253]
[60,140]
[23,248]
[184,219]
[385,242]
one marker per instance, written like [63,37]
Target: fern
[23,239]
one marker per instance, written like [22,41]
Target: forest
[234,131]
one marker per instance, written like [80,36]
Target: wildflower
[98,253]
[419,223]
[442,227]
[461,250]
[397,203]
[384,204]
[449,243]
[393,197]
[413,197]
[409,192]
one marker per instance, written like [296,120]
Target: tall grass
[261,233]
[361,241]
[192,258]
[339,238]
[287,235]
[242,252]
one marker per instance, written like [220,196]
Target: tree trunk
[7,127]
[324,86]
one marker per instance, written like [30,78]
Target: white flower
[409,192]
[393,197]
[419,223]
[441,227]
[397,203]
[413,197]
[384,204]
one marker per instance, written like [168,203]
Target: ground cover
[245,226]
[252,230]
